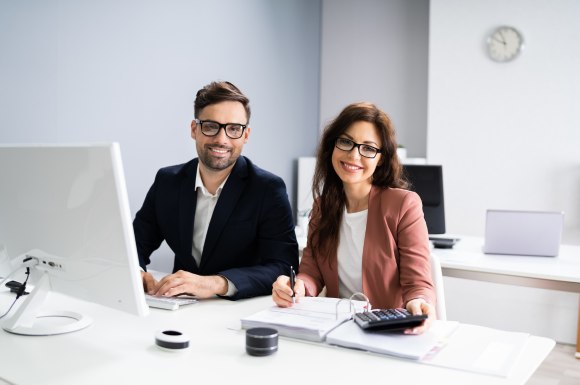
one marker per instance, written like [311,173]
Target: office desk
[119,348]
[466,260]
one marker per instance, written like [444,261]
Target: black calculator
[388,319]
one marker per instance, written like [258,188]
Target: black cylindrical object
[261,341]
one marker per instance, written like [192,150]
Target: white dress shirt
[203,211]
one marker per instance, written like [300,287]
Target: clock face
[504,44]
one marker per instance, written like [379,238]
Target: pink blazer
[395,261]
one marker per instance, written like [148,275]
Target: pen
[292,282]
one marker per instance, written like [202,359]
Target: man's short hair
[217,92]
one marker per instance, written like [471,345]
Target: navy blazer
[250,239]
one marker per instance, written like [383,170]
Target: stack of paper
[310,319]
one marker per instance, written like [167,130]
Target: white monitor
[66,207]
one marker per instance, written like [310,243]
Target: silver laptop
[523,232]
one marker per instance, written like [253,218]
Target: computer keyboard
[168,303]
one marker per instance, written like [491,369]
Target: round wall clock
[504,44]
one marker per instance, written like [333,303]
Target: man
[228,222]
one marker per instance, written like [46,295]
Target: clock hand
[498,40]
[502,38]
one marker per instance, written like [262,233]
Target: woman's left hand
[419,306]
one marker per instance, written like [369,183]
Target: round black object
[261,341]
[171,340]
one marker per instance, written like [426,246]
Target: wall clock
[504,44]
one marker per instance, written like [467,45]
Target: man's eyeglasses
[365,150]
[211,128]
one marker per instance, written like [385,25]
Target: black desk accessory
[261,341]
[443,243]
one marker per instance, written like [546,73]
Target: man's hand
[149,283]
[183,282]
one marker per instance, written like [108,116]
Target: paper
[310,319]
[448,344]
[482,350]
[397,344]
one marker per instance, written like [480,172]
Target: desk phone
[388,319]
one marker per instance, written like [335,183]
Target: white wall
[127,71]
[376,51]
[507,134]
[508,137]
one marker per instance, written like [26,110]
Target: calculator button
[363,317]
[398,313]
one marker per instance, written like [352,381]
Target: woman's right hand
[282,292]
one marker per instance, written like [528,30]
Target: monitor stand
[28,320]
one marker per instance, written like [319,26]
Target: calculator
[388,319]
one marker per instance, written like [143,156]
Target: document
[446,343]
[310,319]
[414,347]
[482,350]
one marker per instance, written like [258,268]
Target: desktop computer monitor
[64,208]
[427,182]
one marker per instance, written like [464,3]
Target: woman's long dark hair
[327,187]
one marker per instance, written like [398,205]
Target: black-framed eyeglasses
[365,150]
[211,128]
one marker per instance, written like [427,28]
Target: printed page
[323,307]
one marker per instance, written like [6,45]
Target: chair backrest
[437,277]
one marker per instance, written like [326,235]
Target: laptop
[523,232]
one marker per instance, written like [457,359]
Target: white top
[349,253]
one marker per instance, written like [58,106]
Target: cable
[19,294]
[10,308]
[22,288]
[27,262]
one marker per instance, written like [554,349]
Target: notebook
[310,319]
[514,232]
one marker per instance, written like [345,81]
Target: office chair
[437,277]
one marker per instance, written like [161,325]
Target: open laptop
[523,232]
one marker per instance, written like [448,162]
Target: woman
[367,232]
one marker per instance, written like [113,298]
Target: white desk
[466,260]
[119,348]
